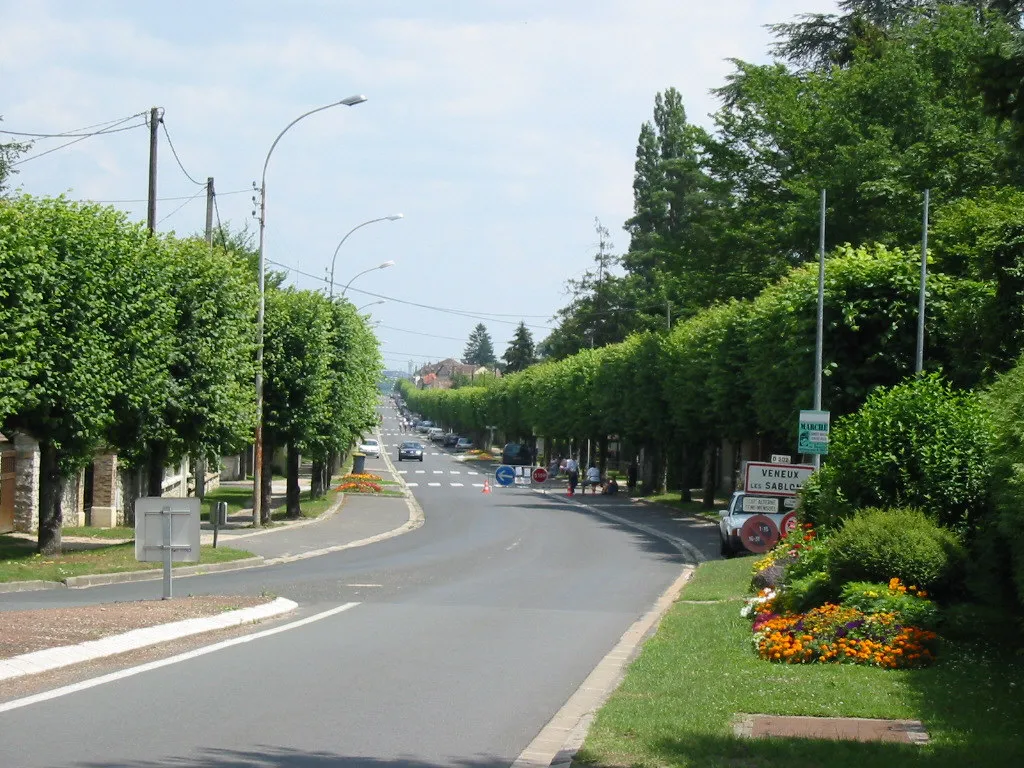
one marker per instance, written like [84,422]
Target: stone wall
[26,484]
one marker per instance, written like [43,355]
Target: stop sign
[539,474]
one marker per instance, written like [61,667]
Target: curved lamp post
[257,470]
[385,265]
[379,301]
[392,217]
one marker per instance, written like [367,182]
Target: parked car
[435,434]
[463,444]
[410,450]
[449,440]
[517,454]
[370,447]
[424,426]
[743,506]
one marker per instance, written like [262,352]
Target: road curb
[28,586]
[558,742]
[54,658]
[99,579]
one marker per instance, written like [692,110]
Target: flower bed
[358,485]
[884,625]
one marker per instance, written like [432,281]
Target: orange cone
[487,486]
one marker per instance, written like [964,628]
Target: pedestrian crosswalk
[416,484]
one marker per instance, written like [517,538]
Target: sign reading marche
[813,432]
[505,475]
[775,479]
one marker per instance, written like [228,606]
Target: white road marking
[364,585]
[478,485]
[454,472]
[421,471]
[438,471]
[132,671]
[412,485]
[403,471]
[434,485]
[456,485]
[472,473]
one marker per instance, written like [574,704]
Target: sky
[499,129]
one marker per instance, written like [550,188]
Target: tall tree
[479,349]
[520,353]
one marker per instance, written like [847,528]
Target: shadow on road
[286,757]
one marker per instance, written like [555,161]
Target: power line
[197,194]
[419,333]
[76,131]
[456,312]
[80,137]
[165,199]
[163,123]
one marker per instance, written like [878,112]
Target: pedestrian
[631,474]
[611,488]
[572,471]
[593,479]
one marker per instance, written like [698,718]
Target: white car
[742,507]
[370,447]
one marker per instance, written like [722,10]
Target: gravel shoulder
[28,631]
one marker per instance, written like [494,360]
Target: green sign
[813,432]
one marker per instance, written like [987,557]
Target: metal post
[165,515]
[919,365]
[819,336]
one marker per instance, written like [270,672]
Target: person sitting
[611,487]
[593,479]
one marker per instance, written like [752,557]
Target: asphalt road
[466,636]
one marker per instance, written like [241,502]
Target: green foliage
[479,349]
[801,594]
[917,444]
[520,353]
[874,597]
[881,544]
[1004,403]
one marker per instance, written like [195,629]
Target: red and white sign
[759,534]
[788,524]
[775,479]
[540,474]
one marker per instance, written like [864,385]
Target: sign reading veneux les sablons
[775,479]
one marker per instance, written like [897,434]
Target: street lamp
[360,309]
[385,265]
[257,470]
[392,217]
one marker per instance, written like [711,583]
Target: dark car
[517,454]
[450,440]
[410,450]
[464,444]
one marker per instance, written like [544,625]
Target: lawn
[695,508]
[19,561]
[239,499]
[679,697]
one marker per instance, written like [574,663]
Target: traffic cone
[487,486]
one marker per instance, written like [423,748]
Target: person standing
[572,471]
[631,475]
[593,479]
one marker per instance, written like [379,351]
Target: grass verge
[679,697]
[19,561]
[92,532]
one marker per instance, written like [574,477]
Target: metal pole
[209,210]
[165,515]
[154,120]
[257,470]
[394,217]
[819,336]
[924,279]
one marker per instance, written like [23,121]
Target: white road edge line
[132,671]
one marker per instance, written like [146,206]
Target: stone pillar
[72,508]
[104,490]
[26,484]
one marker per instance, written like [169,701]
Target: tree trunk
[292,492]
[155,470]
[51,489]
[709,483]
[602,454]
[684,460]
[199,462]
[318,479]
[266,482]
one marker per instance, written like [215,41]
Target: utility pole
[924,279]
[154,119]
[200,461]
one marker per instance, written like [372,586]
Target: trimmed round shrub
[879,544]
[768,578]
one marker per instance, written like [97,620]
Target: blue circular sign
[504,475]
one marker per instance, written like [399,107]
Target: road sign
[540,475]
[813,432]
[523,475]
[505,475]
[775,479]
[167,530]
[788,524]
[781,458]
[765,505]
[759,534]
